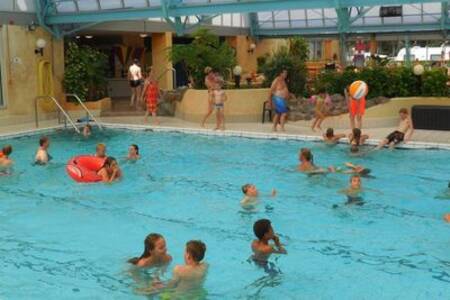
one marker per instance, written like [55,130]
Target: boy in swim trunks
[278,96]
[251,197]
[402,134]
[356,109]
[218,98]
[261,247]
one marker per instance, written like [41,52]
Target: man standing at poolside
[278,96]
[135,77]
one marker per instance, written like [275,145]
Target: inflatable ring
[84,168]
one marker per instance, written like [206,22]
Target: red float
[84,168]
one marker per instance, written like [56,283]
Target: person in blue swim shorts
[278,96]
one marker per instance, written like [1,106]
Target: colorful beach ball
[358,89]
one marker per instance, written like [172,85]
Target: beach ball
[418,69]
[358,89]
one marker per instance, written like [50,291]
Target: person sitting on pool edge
[133,152]
[155,252]
[42,157]
[332,139]
[251,195]
[5,161]
[307,163]
[100,150]
[403,133]
[261,248]
[110,170]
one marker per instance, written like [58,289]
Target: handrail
[174,77]
[57,105]
[86,109]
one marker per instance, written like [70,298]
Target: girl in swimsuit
[321,101]
[151,95]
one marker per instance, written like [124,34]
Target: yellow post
[162,66]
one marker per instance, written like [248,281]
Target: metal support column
[408,51]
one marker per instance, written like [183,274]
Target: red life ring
[84,168]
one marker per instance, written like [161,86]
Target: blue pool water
[62,240]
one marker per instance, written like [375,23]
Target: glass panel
[298,23]
[226,20]
[297,14]
[281,15]
[315,23]
[374,11]
[6,5]
[282,24]
[110,4]
[217,21]
[372,20]
[432,7]
[267,25]
[236,20]
[411,9]
[133,3]
[85,5]
[65,7]
[393,20]
[412,19]
[25,5]
[330,13]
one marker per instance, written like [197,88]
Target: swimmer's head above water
[329,133]
[6,150]
[263,229]
[355,182]
[306,155]
[250,190]
[44,142]
[195,251]
[154,245]
[100,150]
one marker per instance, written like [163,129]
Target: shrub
[434,83]
[85,72]
[206,50]
[291,58]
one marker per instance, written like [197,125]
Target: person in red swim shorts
[356,109]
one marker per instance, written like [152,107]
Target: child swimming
[192,274]
[218,98]
[354,190]
[351,169]
[307,163]
[5,161]
[356,139]
[251,196]
[261,248]
[87,130]
[331,138]
[133,152]
[42,157]
[110,170]
[155,252]
[100,150]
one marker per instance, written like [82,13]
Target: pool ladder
[67,118]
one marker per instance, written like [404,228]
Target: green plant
[292,59]
[206,50]
[85,72]
[434,83]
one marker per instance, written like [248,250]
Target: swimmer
[330,138]
[110,170]
[261,247]
[402,134]
[307,163]
[352,169]
[356,139]
[251,196]
[133,152]
[192,274]
[42,157]
[5,161]
[353,191]
[100,150]
[155,253]
[87,130]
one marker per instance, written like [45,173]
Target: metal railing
[88,113]
[60,110]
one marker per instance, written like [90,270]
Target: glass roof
[313,18]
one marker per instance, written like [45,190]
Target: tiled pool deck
[294,130]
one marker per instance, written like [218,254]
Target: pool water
[63,240]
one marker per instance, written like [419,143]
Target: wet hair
[108,161]
[149,245]
[403,111]
[196,249]
[365,172]
[261,227]
[88,126]
[6,150]
[136,147]
[245,188]
[329,133]
[43,140]
[307,154]
[100,145]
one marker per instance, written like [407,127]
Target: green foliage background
[85,72]
[206,50]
